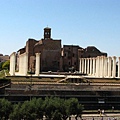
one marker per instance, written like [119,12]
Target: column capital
[114,57]
[37,53]
[109,57]
[98,57]
[14,53]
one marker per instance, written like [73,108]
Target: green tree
[74,107]
[56,113]
[63,108]
[1,65]
[5,109]
[79,110]
[28,110]
[53,108]
[39,108]
[16,112]
[56,108]
[48,107]
[6,65]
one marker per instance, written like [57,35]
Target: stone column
[105,66]
[85,66]
[94,60]
[26,63]
[98,66]
[80,66]
[12,63]
[88,64]
[102,66]
[37,69]
[118,67]
[114,67]
[109,66]
[21,64]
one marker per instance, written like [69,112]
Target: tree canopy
[52,108]
[6,65]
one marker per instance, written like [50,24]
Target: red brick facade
[55,58]
[72,53]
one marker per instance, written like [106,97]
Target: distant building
[4,58]
[53,57]
[90,51]
[49,48]
[72,53]
[70,57]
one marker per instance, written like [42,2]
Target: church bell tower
[47,33]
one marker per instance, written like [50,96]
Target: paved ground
[98,117]
[101,118]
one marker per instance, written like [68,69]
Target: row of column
[100,66]
[23,64]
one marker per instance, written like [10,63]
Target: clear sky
[75,22]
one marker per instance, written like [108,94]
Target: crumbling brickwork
[53,56]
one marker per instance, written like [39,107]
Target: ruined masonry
[98,67]
[23,64]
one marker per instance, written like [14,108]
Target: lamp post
[30,85]
[112,108]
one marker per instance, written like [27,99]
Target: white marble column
[37,71]
[21,64]
[85,70]
[12,63]
[102,66]
[114,67]
[25,63]
[88,64]
[80,66]
[94,60]
[100,61]
[105,66]
[98,66]
[118,67]
[109,67]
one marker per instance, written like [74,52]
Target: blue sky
[75,22]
